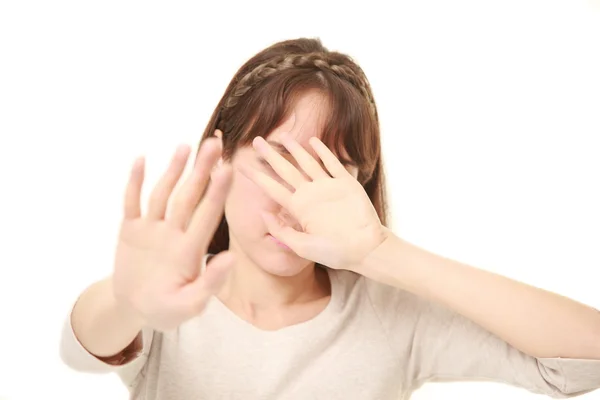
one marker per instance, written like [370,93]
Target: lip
[278,242]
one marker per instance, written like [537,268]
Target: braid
[317,60]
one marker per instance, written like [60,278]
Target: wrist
[398,263]
[378,264]
[122,308]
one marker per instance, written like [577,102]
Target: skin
[304,200]
[270,285]
[156,281]
[537,322]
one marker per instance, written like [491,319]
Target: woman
[308,294]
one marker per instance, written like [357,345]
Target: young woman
[269,273]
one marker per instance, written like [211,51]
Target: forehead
[307,119]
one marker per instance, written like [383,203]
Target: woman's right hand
[159,255]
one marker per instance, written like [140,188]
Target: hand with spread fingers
[339,225]
[159,255]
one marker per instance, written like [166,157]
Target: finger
[208,214]
[133,193]
[307,162]
[331,162]
[280,165]
[159,197]
[276,191]
[295,240]
[194,296]
[191,191]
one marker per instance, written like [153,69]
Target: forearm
[535,321]
[102,326]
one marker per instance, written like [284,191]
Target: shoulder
[381,297]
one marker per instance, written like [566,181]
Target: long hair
[263,92]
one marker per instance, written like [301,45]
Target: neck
[253,288]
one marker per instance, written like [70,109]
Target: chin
[277,259]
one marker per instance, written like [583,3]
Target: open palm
[339,223]
[159,253]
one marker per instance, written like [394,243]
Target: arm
[458,322]
[537,322]
[102,326]
[100,336]
[436,344]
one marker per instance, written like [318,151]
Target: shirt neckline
[319,320]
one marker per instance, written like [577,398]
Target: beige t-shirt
[371,342]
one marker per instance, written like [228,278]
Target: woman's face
[248,234]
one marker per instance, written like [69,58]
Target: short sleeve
[127,364]
[436,344]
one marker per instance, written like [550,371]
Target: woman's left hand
[340,226]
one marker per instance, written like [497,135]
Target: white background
[490,113]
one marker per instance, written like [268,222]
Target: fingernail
[259,143]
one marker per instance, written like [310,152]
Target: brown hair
[263,91]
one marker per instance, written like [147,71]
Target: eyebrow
[281,149]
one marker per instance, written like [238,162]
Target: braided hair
[263,92]
[311,61]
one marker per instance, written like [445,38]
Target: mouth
[278,242]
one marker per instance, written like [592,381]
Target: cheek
[244,204]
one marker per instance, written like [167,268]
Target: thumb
[196,294]
[298,241]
